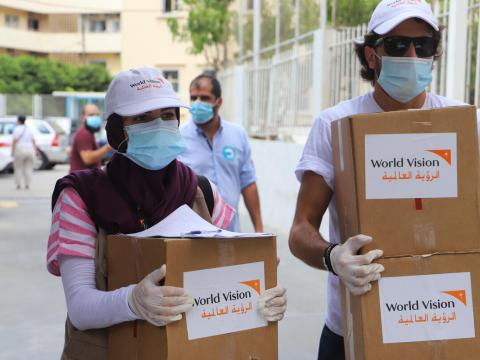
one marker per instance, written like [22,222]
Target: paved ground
[32,306]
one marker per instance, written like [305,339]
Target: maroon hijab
[124,195]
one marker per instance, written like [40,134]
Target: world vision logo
[157,82]
[432,304]
[398,3]
[458,294]
[414,162]
[445,154]
[254,284]
[231,295]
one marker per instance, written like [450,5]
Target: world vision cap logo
[445,154]
[397,3]
[156,82]
[458,294]
[254,284]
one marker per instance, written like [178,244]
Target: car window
[42,129]
[8,128]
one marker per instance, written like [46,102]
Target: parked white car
[51,150]
[6,129]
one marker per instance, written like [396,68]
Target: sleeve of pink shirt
[222,212]
[72,231]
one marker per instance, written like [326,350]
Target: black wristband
[326,256]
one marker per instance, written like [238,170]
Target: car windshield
[6,128]
[42,129]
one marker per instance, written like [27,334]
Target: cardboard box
[131,258]
[410,180]
[367,337]
[409,216]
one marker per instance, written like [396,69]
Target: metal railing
[277,92]
[39,106]
[288,85]
[472,83]
[345,79]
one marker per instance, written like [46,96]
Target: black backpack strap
[207,191]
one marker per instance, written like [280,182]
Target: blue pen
[198,232]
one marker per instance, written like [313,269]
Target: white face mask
[154,144]
[404,78]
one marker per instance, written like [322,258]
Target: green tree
[10,80]
[207,28]
[34,75]
[92,77]
[351,12]
[268,25]
[309,20]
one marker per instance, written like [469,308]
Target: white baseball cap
[136,91]
[389,13]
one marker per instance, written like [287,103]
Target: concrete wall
[275,164]
[299,331]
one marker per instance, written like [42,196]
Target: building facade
[117,34]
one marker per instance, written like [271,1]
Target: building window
[113,25]
[33,24]
[172,76]
[99,62]
[103,23]
[11,21]
[96,24]
[171,5]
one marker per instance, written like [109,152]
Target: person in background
[141,185]
[219,150]
[85,153]
[396,56]
[23,153]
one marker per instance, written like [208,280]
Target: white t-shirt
[24,137]
[317,157]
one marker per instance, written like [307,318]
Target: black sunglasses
[399,45]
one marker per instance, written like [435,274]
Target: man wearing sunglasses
[396,55]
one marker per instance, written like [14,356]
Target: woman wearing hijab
[140,186]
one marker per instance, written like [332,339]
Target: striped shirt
[73,232]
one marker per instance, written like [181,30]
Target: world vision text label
[224,299]
[426,307]
[399,166]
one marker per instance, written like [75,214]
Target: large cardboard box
[423,308]
[410,180]
[131,258]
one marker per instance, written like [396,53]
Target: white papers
[426,307]
[184,222]
[225,299]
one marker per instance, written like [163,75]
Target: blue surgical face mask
[154,144]
[404,78]
[202,112]
[94,121]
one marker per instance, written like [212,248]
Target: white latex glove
[159,305]
[273,303]
[356,271]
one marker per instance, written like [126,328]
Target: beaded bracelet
[326,257]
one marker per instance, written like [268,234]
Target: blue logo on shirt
[228,153]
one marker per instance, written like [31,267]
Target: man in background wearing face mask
[397,55]
[85,152]
[220,150]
